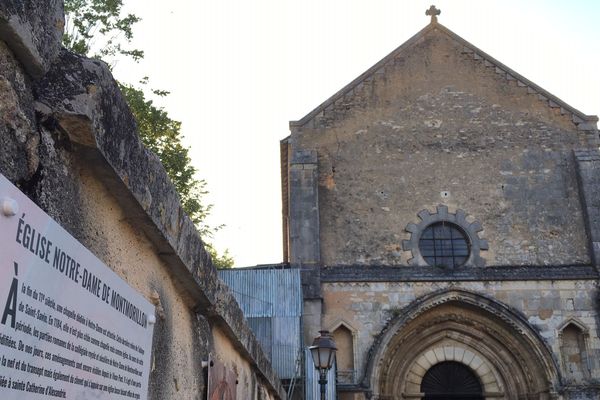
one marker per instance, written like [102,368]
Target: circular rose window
[444,244]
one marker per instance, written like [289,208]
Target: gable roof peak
[582,121]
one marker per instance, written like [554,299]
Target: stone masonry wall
[436,126]
[366,308]
[69,142]
[110,235]
[440,123]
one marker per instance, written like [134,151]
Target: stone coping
[82,98]
[33,30]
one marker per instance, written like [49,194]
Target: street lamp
[323,353]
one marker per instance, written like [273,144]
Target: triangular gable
[581,120]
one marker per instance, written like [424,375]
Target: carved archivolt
[509,357]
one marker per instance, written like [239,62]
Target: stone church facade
[445,213]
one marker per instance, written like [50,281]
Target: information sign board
[69,326]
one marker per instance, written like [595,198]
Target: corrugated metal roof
[266,292]
[271,300]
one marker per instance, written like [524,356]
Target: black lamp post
[323,353]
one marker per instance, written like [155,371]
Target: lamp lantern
[323,354]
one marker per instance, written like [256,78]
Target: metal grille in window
[451,380]
[444,244]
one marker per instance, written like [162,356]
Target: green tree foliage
[162,135]
[221,261]
[91,19]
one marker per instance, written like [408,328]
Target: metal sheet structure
[70,327]
[271,300]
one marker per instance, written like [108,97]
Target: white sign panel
[70,327]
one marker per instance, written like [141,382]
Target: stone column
[304,209]
[304,246]
[588,177]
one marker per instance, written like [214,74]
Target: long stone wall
[69,142]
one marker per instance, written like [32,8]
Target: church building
[444,212]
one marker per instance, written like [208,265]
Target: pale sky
[240,70]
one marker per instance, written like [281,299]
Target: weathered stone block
[19,159]
[80,97]
[33,30]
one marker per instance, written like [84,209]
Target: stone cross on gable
[434,12]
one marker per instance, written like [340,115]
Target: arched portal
[505,354]
[451,380]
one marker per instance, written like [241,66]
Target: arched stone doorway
[504,353]
[451,380]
